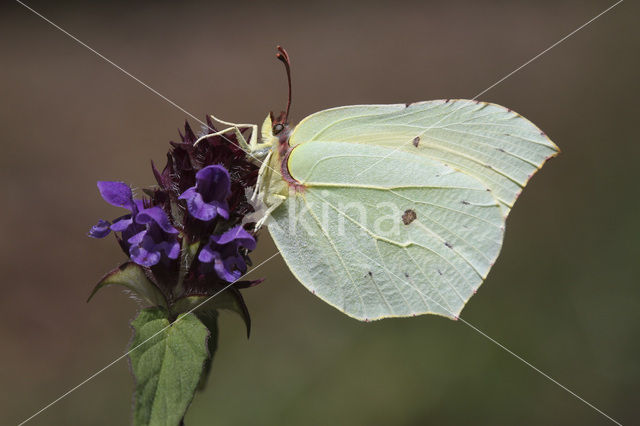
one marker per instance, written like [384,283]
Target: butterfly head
[279,125]
[275,130]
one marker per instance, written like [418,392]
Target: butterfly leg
[252,146]
[253,140]
[242,142]
[261,176]
[273,202]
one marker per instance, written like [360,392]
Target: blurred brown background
[564,293]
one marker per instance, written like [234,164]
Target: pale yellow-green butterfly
[393,210]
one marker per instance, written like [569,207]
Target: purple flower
[224,251]
[118,194]
[158,237]
[201,190]
[146,233]
[208,198]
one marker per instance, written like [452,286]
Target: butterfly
[392,210]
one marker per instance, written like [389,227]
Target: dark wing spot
[500,149]
[409,216]
[370,274]
[448,244]
[447,101]
[406,275]
[466,203]
[416,141]
[439,271]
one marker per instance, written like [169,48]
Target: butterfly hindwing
[411,237]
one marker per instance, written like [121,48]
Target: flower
[224,251]
[158,237]
[118,194]
[185,159]
[208,198]
[146,233]
[176,232]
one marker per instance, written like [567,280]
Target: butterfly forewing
[488,142]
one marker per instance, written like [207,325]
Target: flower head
[177,231]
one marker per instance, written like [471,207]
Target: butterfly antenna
[283,56]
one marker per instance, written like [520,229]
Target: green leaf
[209,319]
[132,276]
[229,299]
[166,366]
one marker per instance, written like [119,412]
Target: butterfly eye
[277,128]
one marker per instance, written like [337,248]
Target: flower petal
[122,223]
[144,257]
[171,248]
[237,234]
[100,230]
[197,207]
[137,238]
[116,193]
[224,269]
[188,194]
[157,215]
[223,209]
[208,198]
[214,183]
[207,254]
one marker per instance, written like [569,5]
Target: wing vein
[437,290]
[386,270]
[326,235]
